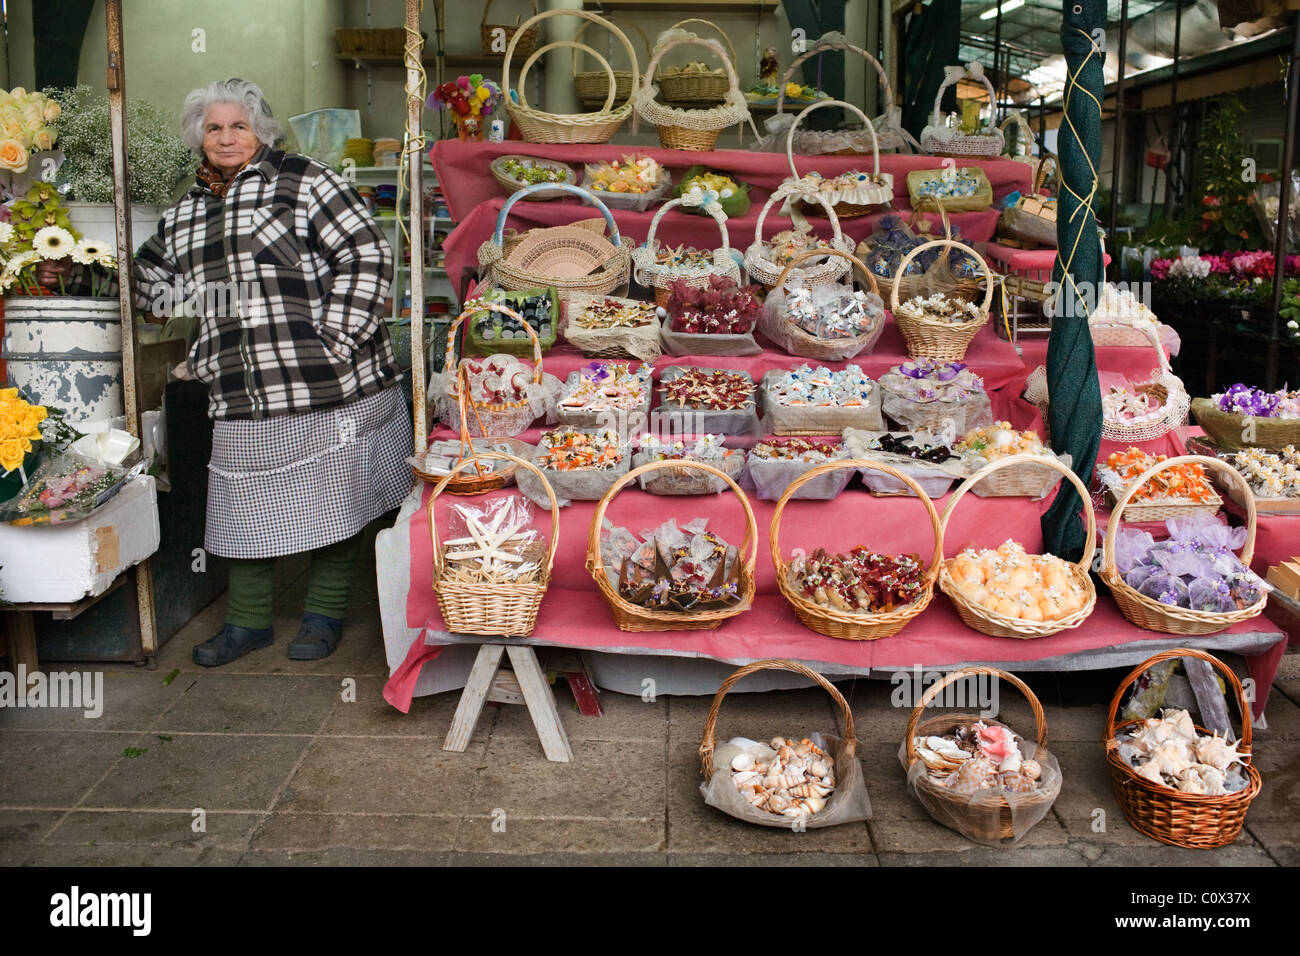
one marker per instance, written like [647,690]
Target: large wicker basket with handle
[931,338]
[994,623]
[891,137]
[939,140]
[1193,820]
[1152,614]
[872,194]
[632,617]
[847,624]
[649,272]
[763,267]
[798,341]
[991,816]
[508,418]
[608,276]
[1229,429]
[507,609]
[592,86]
[488,36]
[538,126]
[689,129]
[698,89]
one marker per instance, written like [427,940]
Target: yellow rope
[1085,202]
[413,141]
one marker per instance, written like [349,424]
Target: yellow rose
[44,138]
[8,429]
[8,394]
[32,116]
[31,425]
[13,155]
[17,92]
[12,453]
[51,111]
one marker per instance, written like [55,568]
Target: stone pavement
[286,772]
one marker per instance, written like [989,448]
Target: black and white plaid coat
[288,272]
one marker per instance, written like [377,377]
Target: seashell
[1011,764]
[1180,723]
[785,754]
[796,810]
[815,804]
[741,778]
[1191,782]
[1149,771]
[771,781]
[742,761]
[819,768]
[777,803]
[776,743]
[973,775]
[789,779]
[811,790]
[1212,778]
[1031,769]
[1016,782]
[1217,752]
[1171,758]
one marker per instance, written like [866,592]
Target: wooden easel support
[526,685]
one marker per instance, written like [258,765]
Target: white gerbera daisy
[20,262]
[53,242]
[89,251]
[106,259]
[6,232]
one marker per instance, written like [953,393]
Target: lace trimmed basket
[661,276]
[940,140]
[697,89]
[874,191]
[764,268]
[689,129]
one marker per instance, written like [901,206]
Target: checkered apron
[294,483]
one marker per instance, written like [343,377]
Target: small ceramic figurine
[768,67]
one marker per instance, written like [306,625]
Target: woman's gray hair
[234,90]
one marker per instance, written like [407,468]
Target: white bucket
[66,352]
[96,220]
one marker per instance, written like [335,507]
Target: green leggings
[252,582]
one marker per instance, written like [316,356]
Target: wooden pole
[1284,205]
[414,149]
[116,81]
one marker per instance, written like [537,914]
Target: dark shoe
[230,644]
[317,637]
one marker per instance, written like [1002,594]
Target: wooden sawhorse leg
[526,685]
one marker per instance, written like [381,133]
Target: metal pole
[116,80]
[1042,124]
[415,160]
[1279,241]
[1117,141]
[997,58]
[1174,159]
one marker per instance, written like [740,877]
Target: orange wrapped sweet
[1010,581]
[1186,482]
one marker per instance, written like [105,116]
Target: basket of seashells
[1174,781]
[806,784]
[976,775]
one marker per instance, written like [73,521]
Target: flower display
[467,99]
[39,231]
[722,309]
[19,428]
[25,128]
[1248,400]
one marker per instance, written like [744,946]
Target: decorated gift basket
[1198,811]
[862,595]
[686,481]
[689,129]
[579,464]
[1144,583]
[766,260]
[659,268]
[571,258]
[946,399]
[939,139]
[1245,417]
[851,194]
[816,781]
[954,765]
[1032,218]
[1175,493]
[514,173]
[538,126]
[729,590]
[473,600]
[511,410]
[776,463]
[592,86]
[889,138]
[606,326]
[697,85]
[937,326]
[930,272]
[955,188]
[827,321]
[526,37]
[1005,592]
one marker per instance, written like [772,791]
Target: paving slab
[118,855]
[381,775]
[51,769]
[989,856]
[626,717]
[212,771]
[1280,839]
[335,831]
[772,859]
[131,698]
[372,716]
[27,826]
[349,856]
[172,828]
[249,704]
[1160,854]
[522,835]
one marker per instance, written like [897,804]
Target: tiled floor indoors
[286,772]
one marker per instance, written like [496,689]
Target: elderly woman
[310,427]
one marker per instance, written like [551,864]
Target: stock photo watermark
[976,690]
[72,690]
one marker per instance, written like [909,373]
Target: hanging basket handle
[810,253]
[1040,177]
[1230,678]
[453,362]
[1213,464]
[609,70]
[709,740]
[1010,461]
[952,78]
[439,563]
[645,42]
[498,236]
[713,209]
[823,46]
[937,687]
[871,128]
[709,23]
[708,43]
[918,214]
[585,15]
[466,442]
[944,244]
[785,191]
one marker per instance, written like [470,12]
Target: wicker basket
[798,341]
[482,480]
[684,481]
[507,419]
[1000,625]
[698,89]
[1149,613]
[661,277]
[689,129]
[526,36]
[512,185]
[1195,821]
[609,276]
[848,803]
[927,338]
[939,277]
[538,126]
[506,609]
[937,140]
[764,269]
[1031,219]
[372,42]
[1029,480]
[980,200]
[631,617]
[875,196]
[987,820]
[592,86]
[639,343]
[844,624]
[889,139]
[1161,509]
[1229,428]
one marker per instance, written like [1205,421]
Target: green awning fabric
[931,43]
[1071,362]
[58,27]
